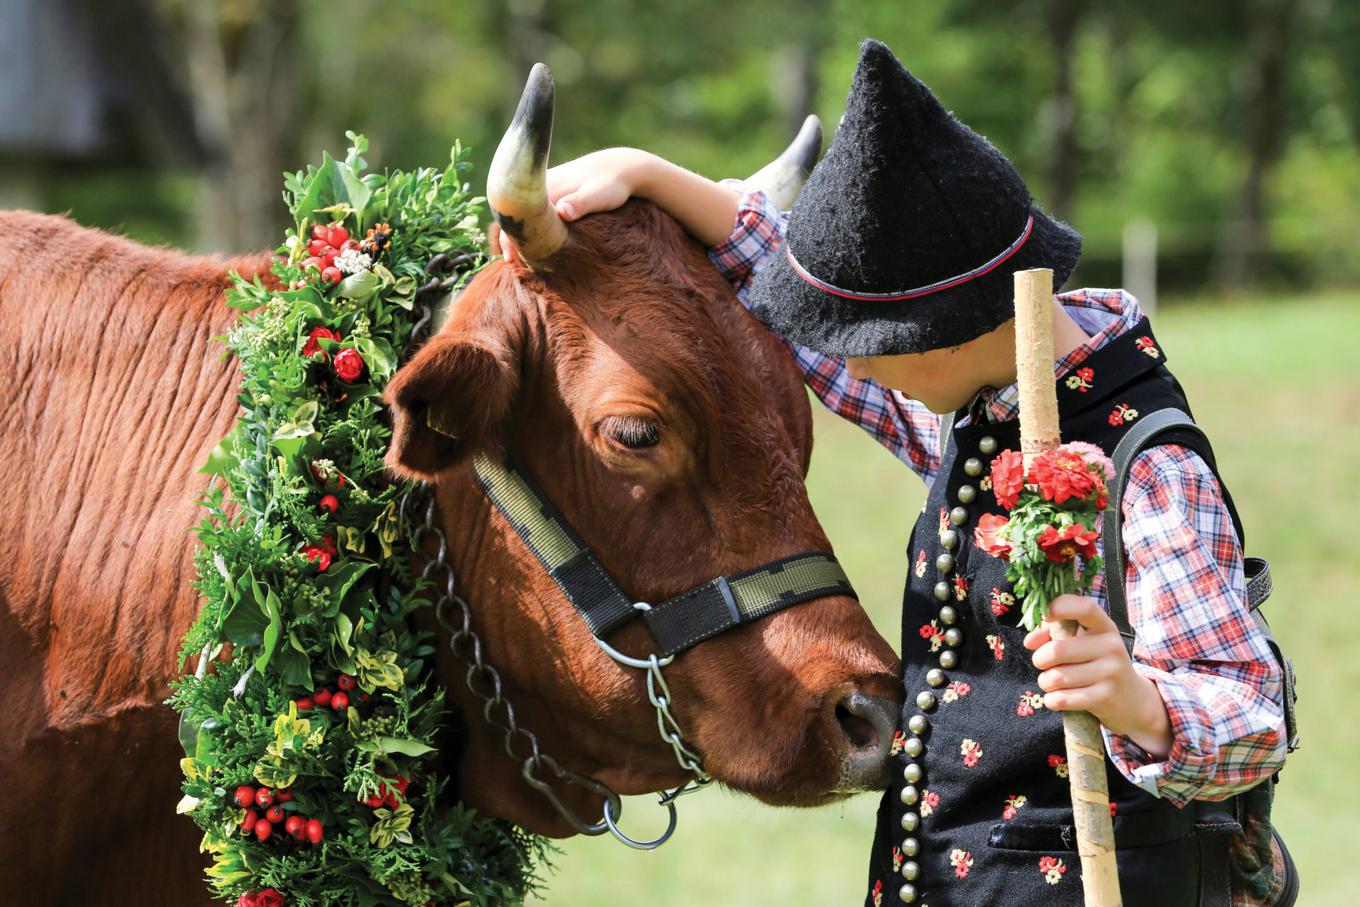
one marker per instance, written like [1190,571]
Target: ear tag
[443,427]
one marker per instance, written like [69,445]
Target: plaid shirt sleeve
[1196,640]
[904,426]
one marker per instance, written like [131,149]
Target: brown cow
[115,393]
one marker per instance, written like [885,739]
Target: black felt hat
[906,235]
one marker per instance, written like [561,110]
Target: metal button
[910,847]
[910,870]
[944,563]
[953,636]
[935,677]
[949,538]
[942,591]
[987,445]
[910,795]
[912,773]
[914,747]
[948,614]
[949,659]
[910,821]
[907,893]
[972,466]
[967,494]
[925,700]
[958,516]
[917,724]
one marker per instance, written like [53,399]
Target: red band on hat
[919,291]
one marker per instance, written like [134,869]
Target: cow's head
[672,430]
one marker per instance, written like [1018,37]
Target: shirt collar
[1103,314]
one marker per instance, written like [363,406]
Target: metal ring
[610,821]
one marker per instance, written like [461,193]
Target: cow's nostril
[859,729]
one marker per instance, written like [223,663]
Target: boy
[891,281]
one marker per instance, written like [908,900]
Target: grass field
[1277,386]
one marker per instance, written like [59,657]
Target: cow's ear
[451,400]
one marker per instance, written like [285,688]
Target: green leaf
[358,194]
[222,459]
[272,632]
[295,668]
[403,745]
[344,627]
[245,623]
[359,286]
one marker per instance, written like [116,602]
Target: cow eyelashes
[631,432]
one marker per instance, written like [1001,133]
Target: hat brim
[831,324]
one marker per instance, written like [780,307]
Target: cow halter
[677,624]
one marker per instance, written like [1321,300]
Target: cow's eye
[631,432]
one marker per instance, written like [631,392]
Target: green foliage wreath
[311,762]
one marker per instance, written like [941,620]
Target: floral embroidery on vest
[1052,868]
[1145,344]
[935,633]
[998,646]
[962,861]
[960,588]
[956,691]
[944,519]
[1001,601]
[1123,413]
[1059,765]
[1013,804]
[1030,702]
[1113,807]
[971,751]
[1082,380]
[899,740]
[897,859]
[878,893]
[986,483]
[921,564]
[930,801]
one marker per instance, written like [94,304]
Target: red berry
[337,235]
[244,795]
[305,704]
[322,697]
[274,814]
[248,823]
[320,231]
[296,826]
[263,829]
[340,701]
[317,247]
[284,796]
[312,262]
[332,275]
[345,682]
[315,831]
[329,503]
[328,259]
[363,697]
[348,244]
[264,798]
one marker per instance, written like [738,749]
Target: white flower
[352,261]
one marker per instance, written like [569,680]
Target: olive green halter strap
[676,623]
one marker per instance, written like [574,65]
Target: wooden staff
[1081,731]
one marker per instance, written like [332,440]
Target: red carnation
[311,348]
[1074,541]
[1062,474]
[322,554]
[1008,477]
[990,535]
[349,365]
[265,897]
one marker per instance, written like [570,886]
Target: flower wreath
[310,725]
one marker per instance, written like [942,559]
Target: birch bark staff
[1085,745]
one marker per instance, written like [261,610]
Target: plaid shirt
[1196,640]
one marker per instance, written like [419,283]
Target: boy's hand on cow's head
[599,181]
[1092,672]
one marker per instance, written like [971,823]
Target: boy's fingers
[1076,650]
[508,248]
[1085,611]
[566,207]
[1037,637]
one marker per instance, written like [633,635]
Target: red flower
[1008,477]
[311,348]
[1086,374]
[265,897]
[1074,541]
[322,554]
[1061,475]
[989,535]
[349,365]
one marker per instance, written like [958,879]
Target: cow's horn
[517,184]
[784,176]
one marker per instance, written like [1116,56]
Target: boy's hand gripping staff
[1075,476]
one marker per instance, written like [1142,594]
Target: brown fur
[115,393]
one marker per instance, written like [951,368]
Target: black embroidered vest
[979,811]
